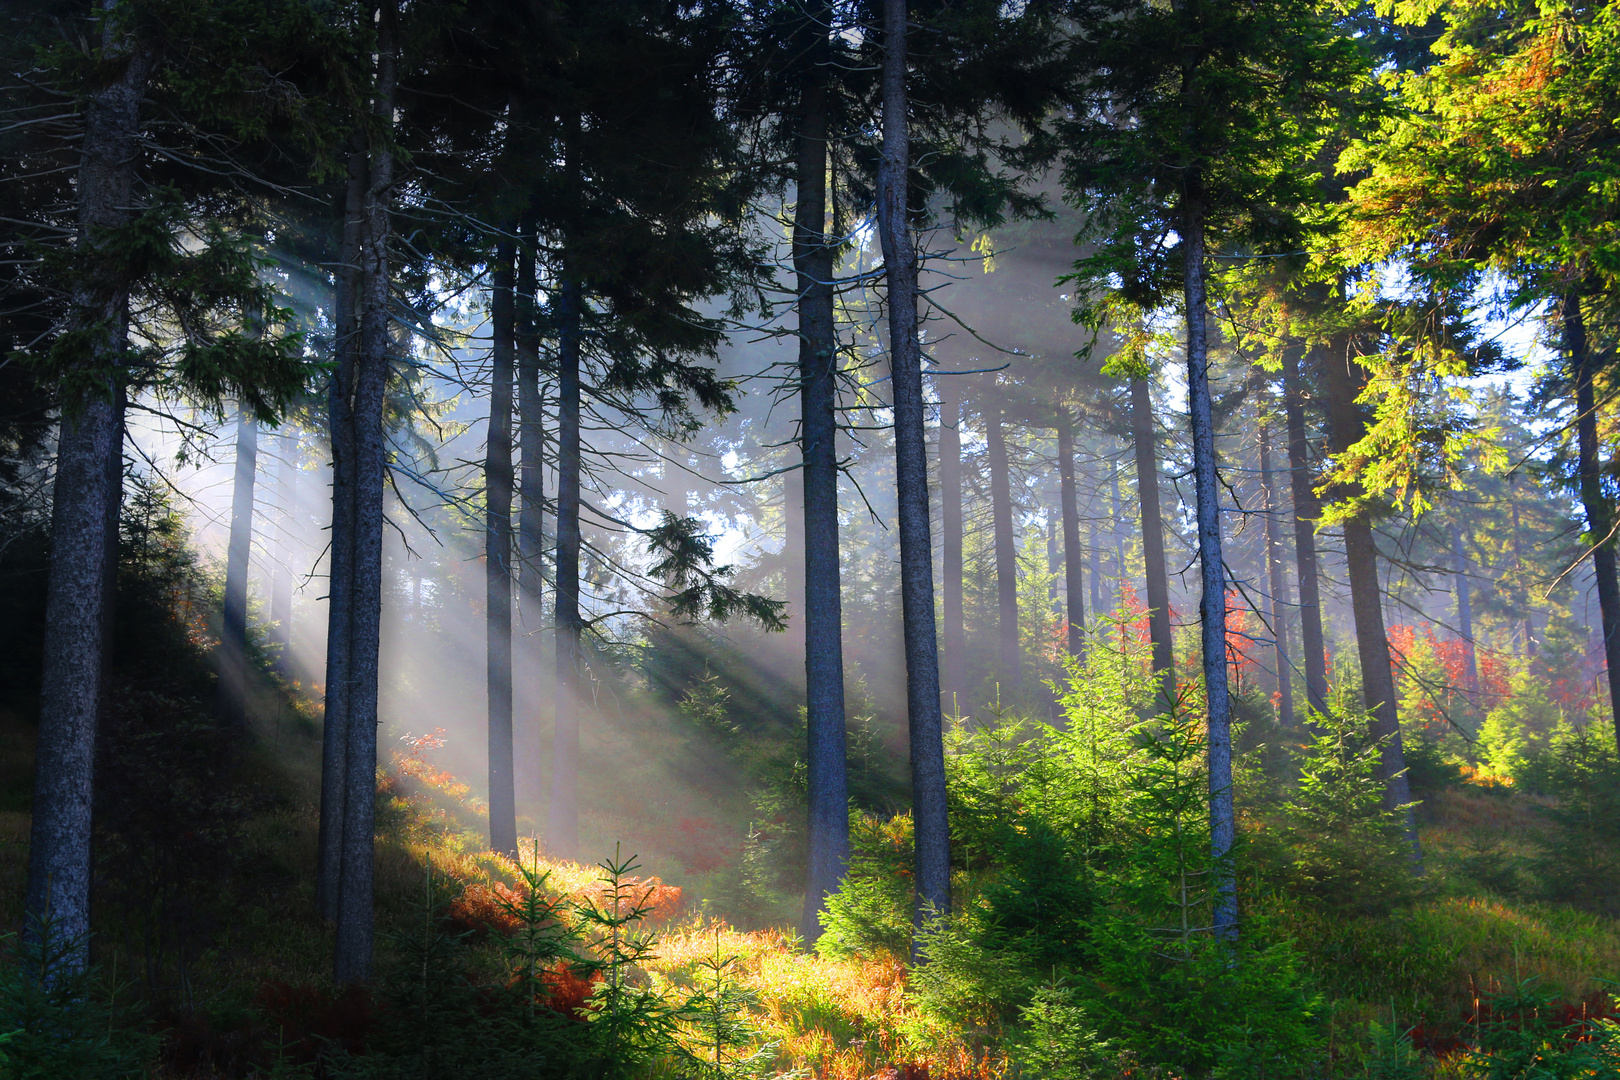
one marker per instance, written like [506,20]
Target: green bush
[872,909]
[1578,853]
[1341,851]
[57,1021]
[1054,1039]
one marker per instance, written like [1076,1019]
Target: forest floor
[253,967]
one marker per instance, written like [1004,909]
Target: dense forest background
[803,538]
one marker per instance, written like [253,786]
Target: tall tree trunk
[813,254]
[1094,550]
[340,561]
[84,522]
[233,643]
[355,923]
[929,815]
[1005,545]
[1212,569]
[531,527]
[1599,509]
[1074,615]
[281,574]
[498,553]
[1278,605]
[1052,559]
[1465,608]
[1344,384]
[1306,513]
[562,817]
[1158,576]
[793,555]
[954,668]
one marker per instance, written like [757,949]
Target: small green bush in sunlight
[872,909]
[1578,856]
[1055,1040]
[1340,850]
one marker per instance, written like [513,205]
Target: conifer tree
[926,727]
[1502,160]
[144,263]
[1201,119]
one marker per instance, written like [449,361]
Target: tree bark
[340,560]
[929,815]
[562,817]
[233,643]
[1465,608]
[813,254]
[954,668]
[281,576]
[1597,504]
[1212,568]
[1306,512]
[352,955]
[84,523]
[1343,384]
[1005,545]
[1278,605]
[531,529]
[498,553]
[1158,576]
[1074,610]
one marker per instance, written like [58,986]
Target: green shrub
[1522,1036]
[1054,1039]
[872,909]
[58,1022]
[1578,853]
[1343,852]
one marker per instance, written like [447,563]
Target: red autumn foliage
[902,1072]
[567,990]
[479,909]
[663,902]
[1241,646]
[1136,612]
[1568,1017]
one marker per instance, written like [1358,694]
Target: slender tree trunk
[793,555]
[563,813]
[1073,585]
[531,528]
[1119,535]
[1518,553]
[355,923]
[233,644]
[498,553]
[954,668]
[1598,506]
[1052,559]
[281,575]
[813,253]
[1212,569]
[1094,552]
[1006,547]
[1158,577]
[1465,608]
[84,522]
[1343,384]
[1306,513]
[1277,607]
[930,819]
[340,561]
